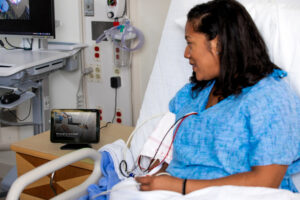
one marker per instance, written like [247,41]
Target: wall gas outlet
[89,7]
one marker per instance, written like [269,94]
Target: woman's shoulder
[185,92]
[187,96]
[182,96]
[271,90]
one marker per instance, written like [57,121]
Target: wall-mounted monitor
[34,18]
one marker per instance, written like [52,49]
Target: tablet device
[75,127]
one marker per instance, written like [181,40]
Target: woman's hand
[259,176]
[164,182]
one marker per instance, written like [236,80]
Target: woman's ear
[215,46]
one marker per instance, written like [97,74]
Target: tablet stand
[75,146]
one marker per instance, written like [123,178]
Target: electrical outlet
[117,71]
[119,116]
[97,48]
[95,52]
[97,57]
[98,72]
[96,76]
[101,112]
[90,77]
[9,135]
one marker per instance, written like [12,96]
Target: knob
[110,14]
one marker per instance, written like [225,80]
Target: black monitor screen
[79,126]
[27,17]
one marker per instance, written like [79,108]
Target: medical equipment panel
[115,8]
[100,57]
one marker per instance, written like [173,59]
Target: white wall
[63,85]
[149,17]
[68,12]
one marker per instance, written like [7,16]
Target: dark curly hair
[243,55]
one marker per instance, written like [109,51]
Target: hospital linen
[261,126]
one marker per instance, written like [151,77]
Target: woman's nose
[186,53]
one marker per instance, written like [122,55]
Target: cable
[115,110]
[173,125]
[15,47]
[129,173]
[11,44]
[124,163]
[29,112]
[80,99]
[2,121]
[30,43]
[2,44]
[142,124]
[175,132]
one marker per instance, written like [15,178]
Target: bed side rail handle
[53,165]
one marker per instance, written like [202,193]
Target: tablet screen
[76,126]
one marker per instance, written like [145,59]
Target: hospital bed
[279,24]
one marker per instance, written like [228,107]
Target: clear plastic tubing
[129,33]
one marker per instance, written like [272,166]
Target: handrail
[47,168]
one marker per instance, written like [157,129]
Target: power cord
[2,44]
[24,48]
[123,162]
[115,110]
[18,117]
[80,97]
[9,123]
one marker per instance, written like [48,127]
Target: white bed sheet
[127,190]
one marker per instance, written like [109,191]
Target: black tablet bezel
[55,139]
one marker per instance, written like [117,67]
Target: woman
[246,131]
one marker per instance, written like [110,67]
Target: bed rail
[49,167]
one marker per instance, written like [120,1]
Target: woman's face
[202,54]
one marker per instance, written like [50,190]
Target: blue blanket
[106,182]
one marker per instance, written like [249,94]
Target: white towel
[116,151]
[162,133]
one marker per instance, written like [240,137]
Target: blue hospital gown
[261,126]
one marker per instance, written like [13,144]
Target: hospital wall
[63,85]
[149,16]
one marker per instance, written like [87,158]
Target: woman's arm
[262,176]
